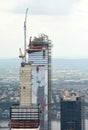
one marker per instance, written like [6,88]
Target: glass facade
[71,114]
[40,81]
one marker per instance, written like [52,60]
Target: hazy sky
[64,21]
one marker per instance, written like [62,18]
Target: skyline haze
[64,21]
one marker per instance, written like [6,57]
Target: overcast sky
[64,21]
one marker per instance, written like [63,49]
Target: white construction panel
[25,86]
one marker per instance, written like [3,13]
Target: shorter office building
[72,112]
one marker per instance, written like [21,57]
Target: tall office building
[72,112]
[39,53]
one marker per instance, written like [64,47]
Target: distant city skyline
[64,21]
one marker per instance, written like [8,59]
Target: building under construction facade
[26,114]
[39,54]
[72,112]
[35,76]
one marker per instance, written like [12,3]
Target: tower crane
[23,56]
[25,33]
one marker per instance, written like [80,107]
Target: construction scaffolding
[49,85]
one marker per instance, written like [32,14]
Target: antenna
[25,33]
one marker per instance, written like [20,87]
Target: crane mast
[25,33]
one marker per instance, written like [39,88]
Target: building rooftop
[38,43]
[70,96]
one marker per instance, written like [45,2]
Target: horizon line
[64,58]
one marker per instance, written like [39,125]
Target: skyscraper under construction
[35,74]
[39,53]
[72,112]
